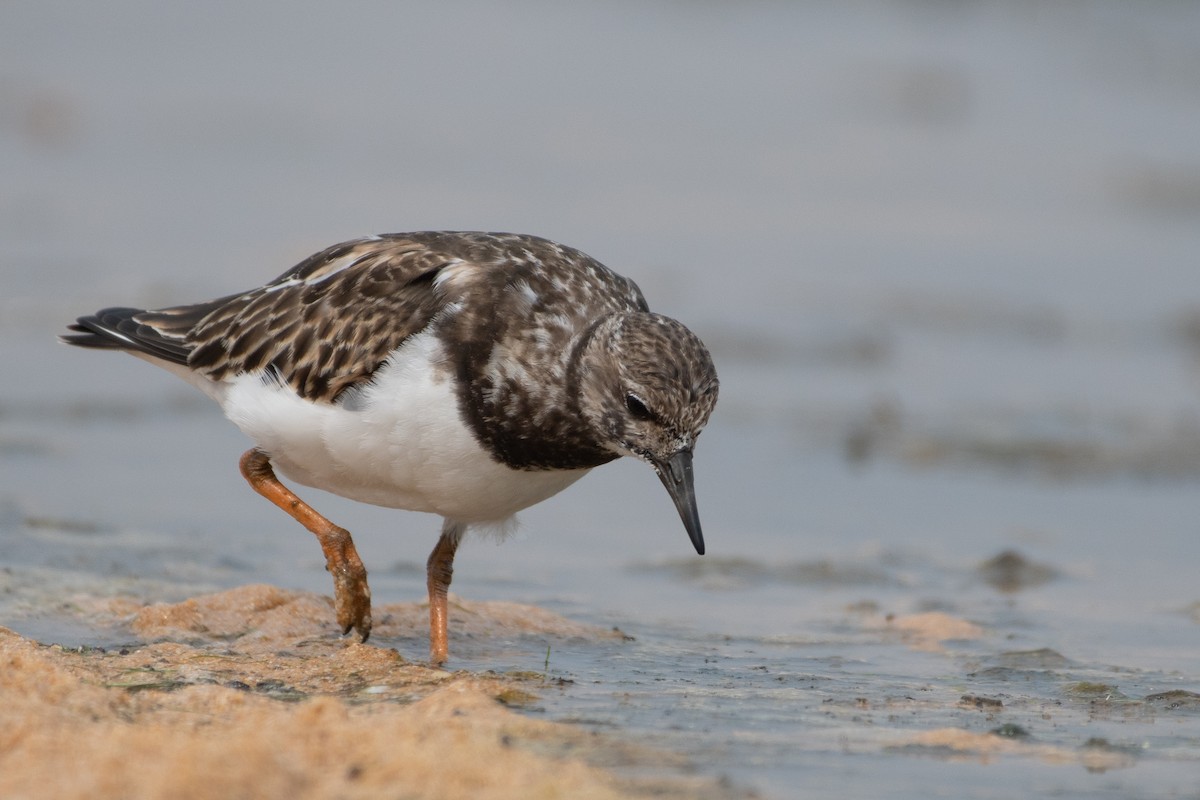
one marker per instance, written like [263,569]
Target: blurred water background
[945,256]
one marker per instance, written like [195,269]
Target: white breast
[397,442]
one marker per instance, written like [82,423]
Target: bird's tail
[121,329]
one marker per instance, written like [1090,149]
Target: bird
[461,373]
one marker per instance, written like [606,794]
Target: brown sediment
[930,630]
[254,696]
[956,744]
[259,617]
[1011,571]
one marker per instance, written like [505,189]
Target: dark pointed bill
[676,475]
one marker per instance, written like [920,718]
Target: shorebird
[465,374]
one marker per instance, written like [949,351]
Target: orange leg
[440,569]
[351,595]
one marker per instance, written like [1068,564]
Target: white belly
[398,442]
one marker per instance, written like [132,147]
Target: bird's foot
[351,594]
[352,601]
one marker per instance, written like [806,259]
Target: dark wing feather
[321,327]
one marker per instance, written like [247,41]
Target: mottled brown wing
[322,326]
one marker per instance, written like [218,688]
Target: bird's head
[648,386]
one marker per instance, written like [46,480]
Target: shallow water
[945,259]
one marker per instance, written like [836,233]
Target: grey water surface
[946,256]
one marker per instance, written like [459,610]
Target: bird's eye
[637,409]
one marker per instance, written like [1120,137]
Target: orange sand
[255,697]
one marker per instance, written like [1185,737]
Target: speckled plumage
[432,370]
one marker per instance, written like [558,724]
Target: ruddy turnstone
[470,375]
